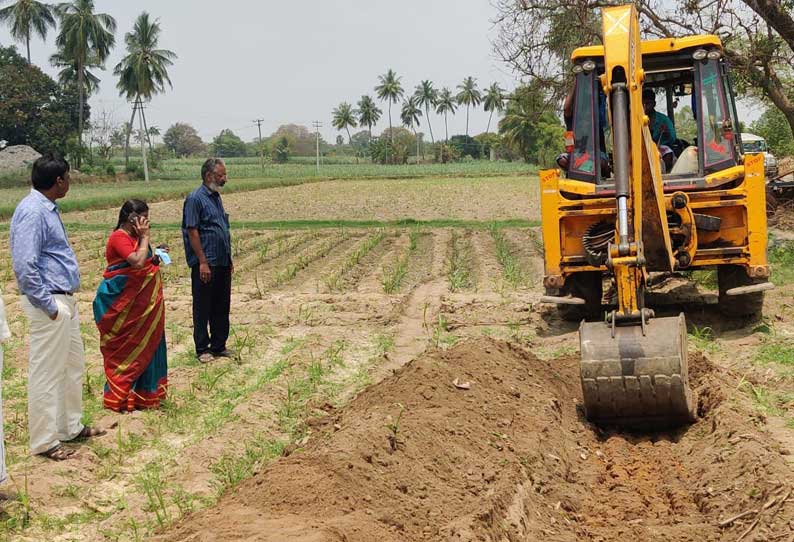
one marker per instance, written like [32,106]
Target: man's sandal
[58,453]
[89,432]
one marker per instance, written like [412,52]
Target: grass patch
[230,469]
[781,259]
[459,264]
[776,350]
[703,339]
[511,268]
[84,197]
[394,274]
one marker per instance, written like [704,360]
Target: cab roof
[655,47]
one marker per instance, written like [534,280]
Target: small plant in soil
[243,343]
[394,429]
[703,339]
[511,268]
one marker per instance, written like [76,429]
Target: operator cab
[686,71]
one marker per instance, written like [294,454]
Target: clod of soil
[509,459]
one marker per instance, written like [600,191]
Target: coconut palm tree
[409,115]
[143,72]
[344,117]
[494,100]
[426,97]
[468,95]
[85,37]
[27,17]
[391,90]
[368,113]
[67,76]
[445,104]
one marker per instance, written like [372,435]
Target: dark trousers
[211,302]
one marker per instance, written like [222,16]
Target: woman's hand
[142,226]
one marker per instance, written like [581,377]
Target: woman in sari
[130,314]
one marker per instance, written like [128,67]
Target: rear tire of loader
[587,285]
[738,306]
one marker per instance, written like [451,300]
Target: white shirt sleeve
[5,333]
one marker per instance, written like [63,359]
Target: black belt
[61,292]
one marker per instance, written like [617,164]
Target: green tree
[183,140]
[84,36]
[34,109]
[468,95]
[445,104]
[227,144]
[67,75]
[143,72]
[773,126]
[685,124]
[344,117]
[368,113]
[389,89]
[410,115]
[27,17]
[281,150]
[426,96]
[494,100]
[393,146]
[530,127]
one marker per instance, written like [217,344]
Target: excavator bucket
[636,379]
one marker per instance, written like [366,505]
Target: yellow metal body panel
[655,47]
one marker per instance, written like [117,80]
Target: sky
[294,62]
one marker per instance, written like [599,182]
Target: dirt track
[508,459]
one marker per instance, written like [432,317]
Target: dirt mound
[17,157]
[506,456]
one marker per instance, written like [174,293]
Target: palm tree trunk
[129,131]
[416,136]
[427,115]
[391,130]
[446,128]
[27,44]
[80,100]
[467,121]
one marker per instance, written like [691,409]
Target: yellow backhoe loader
[618,224]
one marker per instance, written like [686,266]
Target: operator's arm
[26,246]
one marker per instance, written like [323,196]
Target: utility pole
[143,140]
[258,123]
[317,125]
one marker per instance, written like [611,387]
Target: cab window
[584,158]
[714,118]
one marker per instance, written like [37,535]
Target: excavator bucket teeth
[635,379]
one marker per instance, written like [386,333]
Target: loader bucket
[635,379]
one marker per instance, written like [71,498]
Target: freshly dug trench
[505,455]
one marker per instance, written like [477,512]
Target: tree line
[84,42]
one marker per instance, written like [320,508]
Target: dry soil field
[340,419]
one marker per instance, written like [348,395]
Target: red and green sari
[130,314]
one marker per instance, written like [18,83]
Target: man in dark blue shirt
[208,247]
